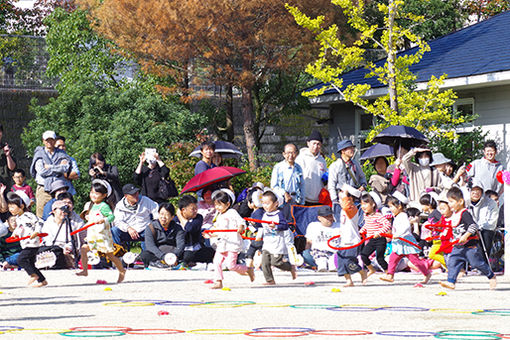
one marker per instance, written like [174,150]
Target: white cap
[228,192]
[398,195]
[377,199]
[351,190]
[21,194]
[279,193]
[49,134]
[105,184]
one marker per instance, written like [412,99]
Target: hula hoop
[129,304]
[285,329]
[92,334]
[17,239]
[346,248]
[405,309]
[210,231]
[453,310]
[313,306]
[101,328]
[467,334]
[39,331]
[275,334]
[223,304]
[340,332]
[82,228]
[406,334]
[504,336]
[178,303]
[154,331]
[10,328]
[218,331]
[491,313]
[353,309]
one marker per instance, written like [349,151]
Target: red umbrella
[211,176]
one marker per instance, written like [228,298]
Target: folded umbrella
[211,176]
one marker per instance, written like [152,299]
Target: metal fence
[23,62]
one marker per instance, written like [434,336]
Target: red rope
[17,239]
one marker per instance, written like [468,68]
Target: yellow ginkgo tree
[425,107]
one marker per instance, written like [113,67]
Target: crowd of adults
[143,214]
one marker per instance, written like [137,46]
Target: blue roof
[478,49]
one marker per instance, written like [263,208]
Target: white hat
[477,183]
[398,195]
[21,194]
[256,198]
[279,193]
[439,158]
[351,190]
[227,191]
[443,197]
[105,184]
[377,199]
[49,134]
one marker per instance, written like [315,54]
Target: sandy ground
[71,301]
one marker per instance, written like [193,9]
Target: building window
[465,107]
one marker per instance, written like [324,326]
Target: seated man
[59,240]
[163,237]
[191,222]
[133,213]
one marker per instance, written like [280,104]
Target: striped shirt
[375,224]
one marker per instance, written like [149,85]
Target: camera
[66,209]
[96,170]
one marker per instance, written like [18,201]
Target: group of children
[360,231]
[28,232]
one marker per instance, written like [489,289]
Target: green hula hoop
[92,334]
[313,306]
[467,334]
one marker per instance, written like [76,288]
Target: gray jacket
[338,175]
[485,213]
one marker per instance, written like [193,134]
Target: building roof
[478,49]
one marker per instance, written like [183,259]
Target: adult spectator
[74,172]
[99,169]
[190,221]
[287,176]
[163,237]
[441,163]
[345,170]
[486,168]
[314,166]
[380,181]
[7,161]
[421,176]
[48,165]
[133,214]
[59,240]
[57,187]
[485,212]
[149,176]
[206,163]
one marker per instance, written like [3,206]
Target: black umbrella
[226,149]
[401,135]
[377,150]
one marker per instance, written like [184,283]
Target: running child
[27,224]
[276,238]
[99,236]
[464,241]
[228,244]
[349,235]
[429,207]
[254,202]
[375,225]
[401,231]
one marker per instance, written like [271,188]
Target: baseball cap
[130,189]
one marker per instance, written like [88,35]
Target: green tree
[427,109]
[100,109]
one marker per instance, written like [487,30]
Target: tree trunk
[392,81]
[249,135]
[229,117]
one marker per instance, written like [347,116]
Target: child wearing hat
[350,239]
[317,235]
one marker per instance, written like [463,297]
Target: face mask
[424,161]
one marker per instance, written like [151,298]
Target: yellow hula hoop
[40,330]
[218,331]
